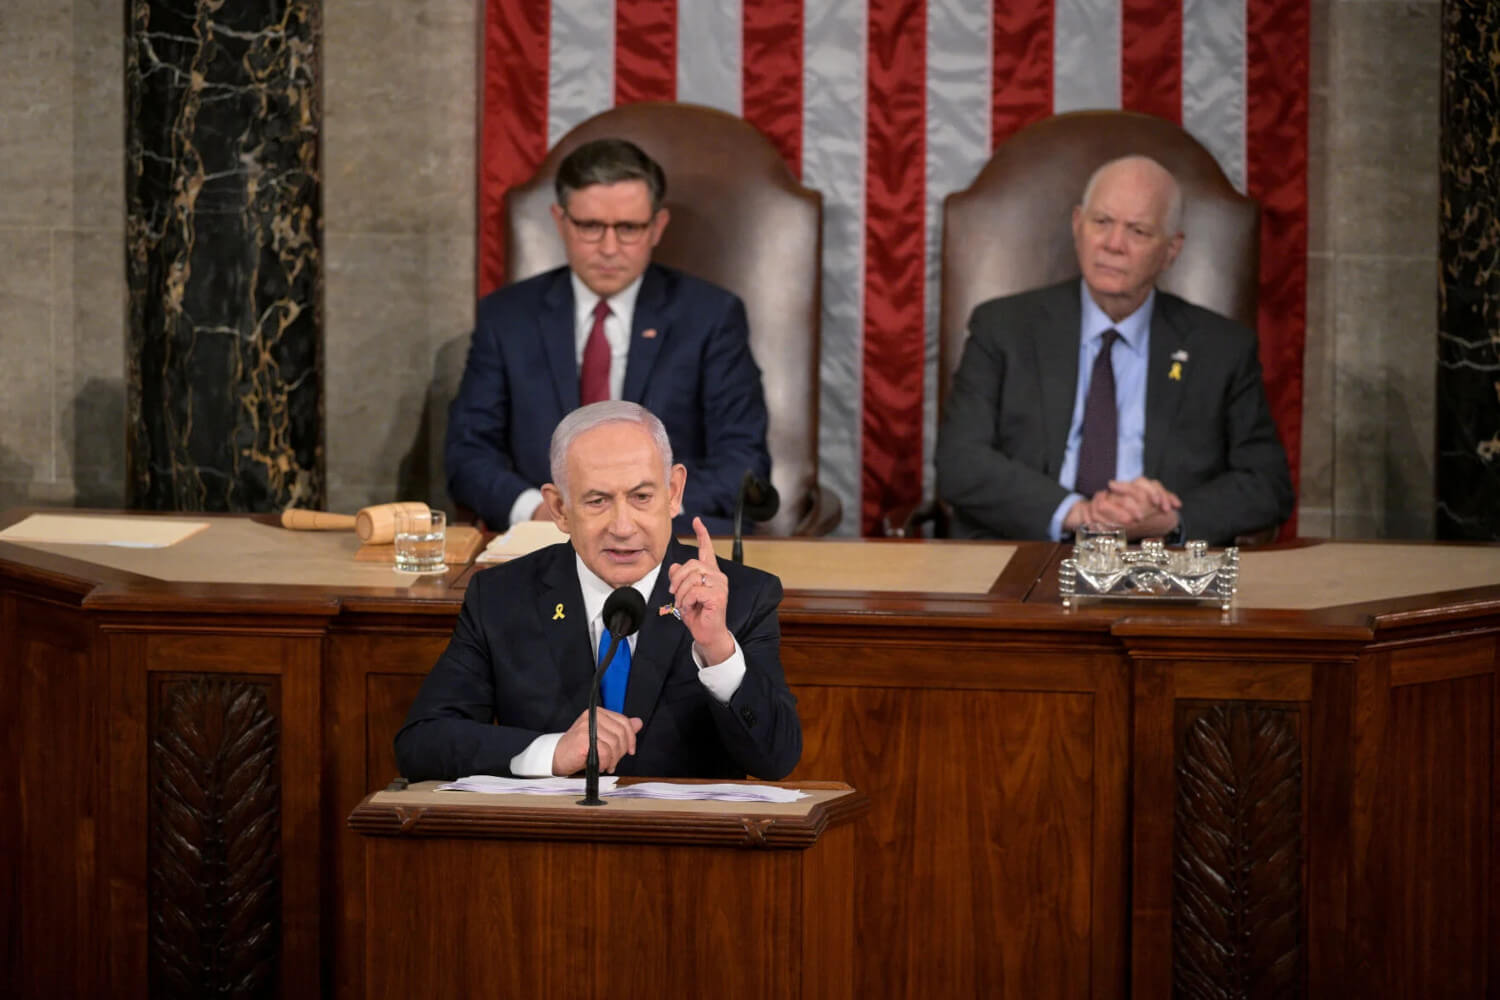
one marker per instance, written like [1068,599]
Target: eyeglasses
[592,230]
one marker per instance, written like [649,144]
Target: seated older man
[1108,400]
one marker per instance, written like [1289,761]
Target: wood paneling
[56,932]
[1435,811]
[215,837]
[1238,926]
[639,921]
[991,829]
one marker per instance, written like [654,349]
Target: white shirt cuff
[536,760]
[1061,514]
[525,506]
[721,679]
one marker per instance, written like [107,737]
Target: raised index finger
[705,544]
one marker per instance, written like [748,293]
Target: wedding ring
[703,579]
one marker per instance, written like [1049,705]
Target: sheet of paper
[528,536]
[493,785]
[92,529]
[726,792]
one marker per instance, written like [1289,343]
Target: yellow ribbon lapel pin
[1179,358]
[557,614]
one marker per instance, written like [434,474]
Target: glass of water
[420,537]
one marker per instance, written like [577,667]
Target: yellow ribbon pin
[1176,373]
[558,615]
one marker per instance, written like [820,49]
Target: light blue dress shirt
[1129,356]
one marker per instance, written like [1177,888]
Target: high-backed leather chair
[741,220]
[1011,230]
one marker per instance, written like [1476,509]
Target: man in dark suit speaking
[610,325]
[703,696]
[1108,400]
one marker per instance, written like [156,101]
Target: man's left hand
[1143,507]
[701,594]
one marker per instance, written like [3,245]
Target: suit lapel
[1055,340]
[650,315]
[1163,393]
[660,644]
[560,611]
[555,327]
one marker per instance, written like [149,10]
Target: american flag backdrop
[886,106]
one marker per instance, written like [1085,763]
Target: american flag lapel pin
[649,333]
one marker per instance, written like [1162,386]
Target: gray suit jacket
[1209,435]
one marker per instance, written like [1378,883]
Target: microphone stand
[591,763]
[737,552]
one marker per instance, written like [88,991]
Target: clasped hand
[1143,507]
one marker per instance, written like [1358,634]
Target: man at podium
[698,691]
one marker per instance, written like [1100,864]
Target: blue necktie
[612,687]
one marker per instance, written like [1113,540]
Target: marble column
[225,357]
[1468,388]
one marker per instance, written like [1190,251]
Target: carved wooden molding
[1237,921]
[215,865]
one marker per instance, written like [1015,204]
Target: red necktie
[593,380]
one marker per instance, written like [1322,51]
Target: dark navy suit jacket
[694,371]
[520,658]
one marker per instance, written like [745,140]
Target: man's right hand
[616,739]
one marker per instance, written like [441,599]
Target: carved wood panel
[214,858]
[1237,913]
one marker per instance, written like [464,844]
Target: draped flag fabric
[886,106]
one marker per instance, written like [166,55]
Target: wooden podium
[469,894]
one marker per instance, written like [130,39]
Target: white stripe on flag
[1213,81]
[959,64]
[1085,55]
[709,60]
[833,162]
[581,70]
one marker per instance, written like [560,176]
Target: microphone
[624,610]
[759,501]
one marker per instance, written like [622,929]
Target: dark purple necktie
[1096,453]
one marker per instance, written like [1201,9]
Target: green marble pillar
[224,364]
[1468,380]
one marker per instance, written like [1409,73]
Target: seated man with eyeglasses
[609,325]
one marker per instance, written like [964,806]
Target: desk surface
[239,557]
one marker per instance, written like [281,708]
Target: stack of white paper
[608,786]
[718,793]
[523,537]
[493,785]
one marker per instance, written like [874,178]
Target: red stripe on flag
[645,50]
[772,87]
[513,126]
[1021,72]
[1276,166]
[1151,58]
[895,175]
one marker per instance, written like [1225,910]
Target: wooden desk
[1062,803]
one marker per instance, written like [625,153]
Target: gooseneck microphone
[624,610]
[758,501]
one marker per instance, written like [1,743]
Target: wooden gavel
[374,525]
